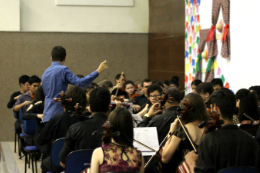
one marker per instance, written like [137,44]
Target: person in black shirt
[79,135]
[226,147]
[142,100]
[217,83]
[59,124]
[205,90]
[120,82]
[23,82]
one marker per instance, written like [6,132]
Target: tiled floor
[10,162]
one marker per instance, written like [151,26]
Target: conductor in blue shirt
[56,79]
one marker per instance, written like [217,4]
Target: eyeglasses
[154,96]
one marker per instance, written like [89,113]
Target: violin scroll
[64,102]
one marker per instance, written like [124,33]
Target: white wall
[241,71]
[45,15]
[10,15]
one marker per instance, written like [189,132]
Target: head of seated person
[159,83]
[23,82]
[256,89]
[153,92]
[144,86]
[217,83]
[194,84]
[107,85]
[174,97]
[129,87]
[89,88]
[39,95]
[99,100]
[34,82]
[205,90]
[248,104]
[120,80]
[174,83]
[166,83]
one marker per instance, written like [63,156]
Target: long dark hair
[121,120]
[198,106]
[39,95]
[248,104]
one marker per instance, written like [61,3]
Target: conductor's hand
[102,67]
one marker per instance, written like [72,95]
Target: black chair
[241,169]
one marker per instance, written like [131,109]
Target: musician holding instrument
[119,154]
[205,89]
[227,146]
[142,100]
[118,89]
[178,140]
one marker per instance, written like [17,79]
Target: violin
[163,99]
[121,99]
[213,123]
[64,102]
[251,126]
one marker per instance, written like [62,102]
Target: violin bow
[249,117]
[100,82]
[144,145]
[120,82]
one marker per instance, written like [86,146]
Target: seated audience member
[217,83]
[256,89]
[142,100]
[226,147]
[166,83]
[248,104]
[178,141]
[120,154]
[79,136]
[59,124]
[194,84]
[107,85]
[120,84]
[153,92]
[159,83]
[25,99]
[205,90]
[23,82]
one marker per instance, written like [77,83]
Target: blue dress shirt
[56,79]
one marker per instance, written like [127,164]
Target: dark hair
[34,79]
[175,93]
[107,85]
[198,106]
[90,87]
[145,80]
[196,82]
[58,53]
[118,76]
[158,83]
[128,82]
[39,95]
[176,78]
[78,95]
[99,100]
[154,87]
[248,104]
[121,120]
[225,101]
[205,87]
[217,81]
[23,79]
[174,82]
[80,76]
[166,82]
[256,89]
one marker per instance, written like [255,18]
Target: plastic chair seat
[31,148]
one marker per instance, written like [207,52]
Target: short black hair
[118,76]
[99,100]
[121,120]
[175,93]
[107,85]
[158,83]
[174,82]
[225,100]
[256,89]
[90,87]
[80,76]
[154,87]
[39,95]
[196,82]
[217,81]
[166,82]
[145,80]
[248,104]
[23,79]
[34,79]
[128,82]
[176,78]
[58,53]
[78,95]
[205,87]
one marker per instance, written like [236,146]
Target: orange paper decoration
[199,28]
[189,76]
[190,39]
[190,60]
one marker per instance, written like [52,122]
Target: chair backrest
[30,127]
[78,160]
[20,115]
[56,149]
[16,115]
[239,170]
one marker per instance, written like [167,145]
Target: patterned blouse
[114,161]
